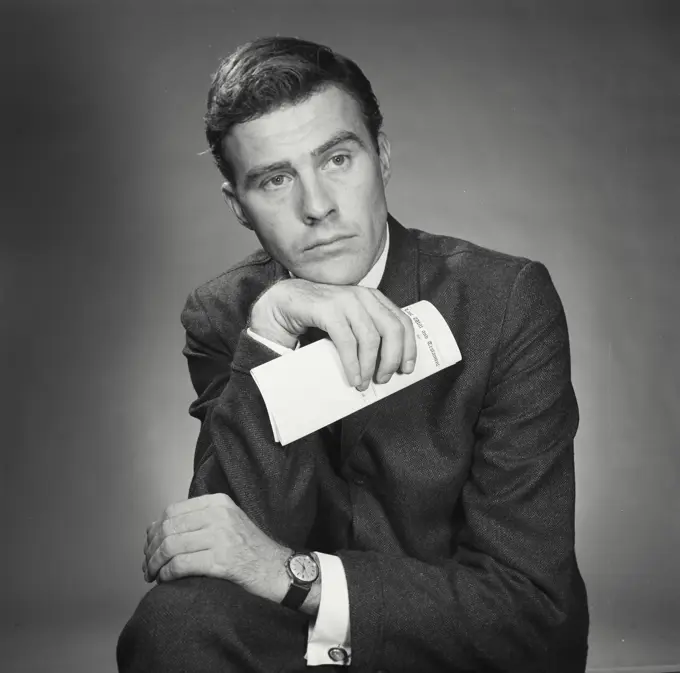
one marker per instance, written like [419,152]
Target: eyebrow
[340,137]
[254,174]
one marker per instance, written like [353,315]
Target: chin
[339,272]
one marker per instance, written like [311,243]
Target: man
[431,531]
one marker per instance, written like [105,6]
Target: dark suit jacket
[450,503]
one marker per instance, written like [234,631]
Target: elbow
[545,632]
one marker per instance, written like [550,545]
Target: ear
[230,197]
[384,155]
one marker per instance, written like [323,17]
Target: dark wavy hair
[265,74]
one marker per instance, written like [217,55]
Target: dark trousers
[204,625]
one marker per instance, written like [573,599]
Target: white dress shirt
[330,631]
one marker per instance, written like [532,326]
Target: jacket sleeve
[509,596]
[236,452]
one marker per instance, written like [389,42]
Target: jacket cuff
[250,353]
[366,606]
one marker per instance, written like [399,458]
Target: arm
[327,603]
[236,453]
[210,370]
[509,598]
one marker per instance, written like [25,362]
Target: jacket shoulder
[251,268]
[226,299]
[488,281]
[485,288]
[476,263]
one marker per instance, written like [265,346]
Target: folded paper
[307,389]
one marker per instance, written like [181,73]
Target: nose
[316,202]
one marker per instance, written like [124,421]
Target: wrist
[311,605]
[264,323]
[277,579]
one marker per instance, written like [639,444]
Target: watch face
[304,568]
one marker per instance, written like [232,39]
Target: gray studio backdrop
[545,130]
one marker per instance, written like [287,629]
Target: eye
[275,182]
[339,161]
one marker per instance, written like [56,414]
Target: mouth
[327,243]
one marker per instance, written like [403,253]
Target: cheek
[268,219]
[265,211]
[276,243]
[365,189]
[278,235]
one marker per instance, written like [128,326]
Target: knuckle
[399,328]
[177,564]
[166,528]
[165,548]
[371,339]
[341,336]
[390,344]
[221,535]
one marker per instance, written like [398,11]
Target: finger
[345,342]
[191,505]
[410,350]
[174,545]
[391,331]
[182,523]
[151,534]
[151,531]
[367,337]
[194,504]
[184,565]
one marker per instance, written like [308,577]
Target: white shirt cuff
[276,347]
[329,633]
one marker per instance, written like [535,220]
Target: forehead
[292,132]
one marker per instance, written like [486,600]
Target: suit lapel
[400,284]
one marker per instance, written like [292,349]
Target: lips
[327,242]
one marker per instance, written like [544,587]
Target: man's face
[310,183]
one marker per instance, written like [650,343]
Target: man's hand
[365,326]
[212,536]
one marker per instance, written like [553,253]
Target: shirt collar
[374,276]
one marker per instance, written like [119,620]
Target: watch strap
[296,595]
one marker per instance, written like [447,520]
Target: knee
[168,630]
[209,625]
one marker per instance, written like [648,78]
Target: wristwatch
[303,570]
